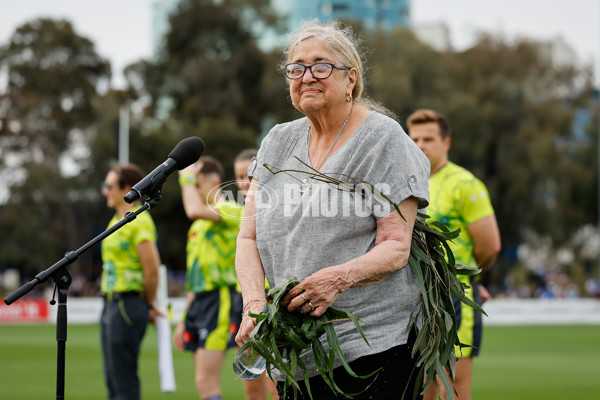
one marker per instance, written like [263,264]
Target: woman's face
[111,190]
[311,95]
[240,168]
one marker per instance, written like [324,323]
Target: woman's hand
[247,325]
[316,293]
[178,336]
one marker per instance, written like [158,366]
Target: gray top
[304,227]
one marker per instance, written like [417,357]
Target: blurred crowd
[551,285]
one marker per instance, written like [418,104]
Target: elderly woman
[349,250]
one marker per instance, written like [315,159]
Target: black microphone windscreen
[187,152]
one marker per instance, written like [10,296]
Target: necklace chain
[318,166]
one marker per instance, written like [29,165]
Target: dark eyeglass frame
[310,67]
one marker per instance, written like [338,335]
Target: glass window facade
[374,14]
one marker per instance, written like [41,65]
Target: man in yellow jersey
[211,314]
[129,280]
[459,200]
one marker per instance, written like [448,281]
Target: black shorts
[213,320]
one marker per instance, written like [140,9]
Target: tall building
[374,14]
[161,10]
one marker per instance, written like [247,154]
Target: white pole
[163,335]
[124,134]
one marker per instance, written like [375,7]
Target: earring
[348,98]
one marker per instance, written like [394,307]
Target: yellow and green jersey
[211,250]
[122,270]
[458,198]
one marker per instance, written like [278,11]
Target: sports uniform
[125,313]
[458,199]
[214,315]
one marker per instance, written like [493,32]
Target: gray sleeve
[395,165]
[256,170]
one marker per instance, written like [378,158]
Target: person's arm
[150,261]
[195,207]
[486,241]
[180,328]
[248,266]
[390,254]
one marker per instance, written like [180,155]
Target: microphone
[187,152]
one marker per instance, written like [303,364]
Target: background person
[258,388]
[211,317]
[458,200]
[240,169]
[129,280]
[349,261]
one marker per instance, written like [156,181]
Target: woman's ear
[352,76]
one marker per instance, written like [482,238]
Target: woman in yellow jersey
[129,280]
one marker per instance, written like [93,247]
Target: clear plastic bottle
[249,365]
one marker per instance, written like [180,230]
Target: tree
[47,112]
[512,110]
[53,78]
[403,73]
[210,65]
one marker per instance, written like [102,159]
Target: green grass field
[525,362]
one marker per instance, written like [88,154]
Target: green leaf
[466,270]
[416,268]
[323,366]
[294,340]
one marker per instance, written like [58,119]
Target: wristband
[250,302]
[187,178]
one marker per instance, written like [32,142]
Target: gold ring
[311,306]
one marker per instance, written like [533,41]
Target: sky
[121,29]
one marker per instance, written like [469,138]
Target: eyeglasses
[318,70]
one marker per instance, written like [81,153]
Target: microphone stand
[62,280]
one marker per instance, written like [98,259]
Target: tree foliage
[210,65]
[47,112]
[52,89]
